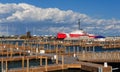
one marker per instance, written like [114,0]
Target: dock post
[93,48]
[27,64]
[6,66]
[23,47]
[22,62]
[56,59]
[74,49]
[46,63]
[62,62]
[89,49]
[69,51]
[56,48]
[65,49]
[107,69]
[105,64]
[99,69]
[2,65]
[83,55]
[37,50]
[20,53]
[40,61]
[78,49]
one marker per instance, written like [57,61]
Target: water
[115,66]
[70,70]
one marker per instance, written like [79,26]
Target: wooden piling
[46,63]
[6,62]
[62,61]
[23,62]
[27,64]
[107,69]
[2,65]
[40,61]
[56,59]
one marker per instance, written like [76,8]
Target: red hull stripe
[92,36]
[76,35]
[61,35]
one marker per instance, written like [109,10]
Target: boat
[77,34]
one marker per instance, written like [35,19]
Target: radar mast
[79,28]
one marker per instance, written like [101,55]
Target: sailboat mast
[78,24]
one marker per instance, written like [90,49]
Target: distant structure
[28,34]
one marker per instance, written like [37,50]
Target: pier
[65,54]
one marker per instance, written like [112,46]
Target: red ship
[77,34]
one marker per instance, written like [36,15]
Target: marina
[59,36]
[62,54]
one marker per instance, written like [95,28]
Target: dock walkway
[63,62]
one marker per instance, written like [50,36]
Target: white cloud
[28,12]
[22,12]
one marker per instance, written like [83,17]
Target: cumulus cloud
[55,19]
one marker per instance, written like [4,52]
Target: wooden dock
[65,63]
[82,56]
[100,56]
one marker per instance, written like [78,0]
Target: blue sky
[98,16]
[95,8]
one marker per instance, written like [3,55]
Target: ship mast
[79,24]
